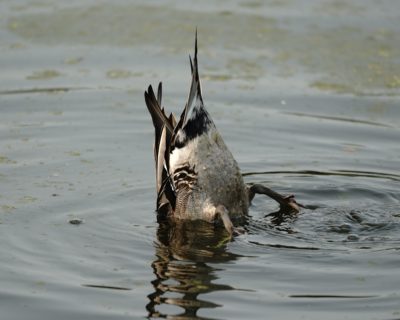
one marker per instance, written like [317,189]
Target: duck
[197,177]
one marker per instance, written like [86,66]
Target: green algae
[335,87]
[43,75]
[26,199]
[341,57]
[74,153]
[131,25]
[121,74]
[6,160]
[74,60]
[7,208]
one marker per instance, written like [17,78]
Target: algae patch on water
[43,75]
[74,60]
[244,69]
[217,77]
[129,25]
[330,44]
[73,153]
[6,160]
[335,87]
[7,208]
[122,74]
[26,199]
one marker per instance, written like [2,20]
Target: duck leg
[222,213]
[287,203]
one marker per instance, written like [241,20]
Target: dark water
[306,95]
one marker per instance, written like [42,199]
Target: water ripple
[345,173]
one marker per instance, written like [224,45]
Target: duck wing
[164,128]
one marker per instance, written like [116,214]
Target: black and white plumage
[196,175]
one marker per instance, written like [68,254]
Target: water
[305,94]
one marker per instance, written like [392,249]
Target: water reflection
[183,270]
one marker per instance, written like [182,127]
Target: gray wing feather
[161,158]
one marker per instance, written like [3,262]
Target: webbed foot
[287,204]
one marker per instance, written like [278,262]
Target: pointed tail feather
[195,99]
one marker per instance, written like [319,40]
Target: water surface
[305,94]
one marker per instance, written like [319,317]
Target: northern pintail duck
[197,176]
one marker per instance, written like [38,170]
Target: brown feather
[164,128]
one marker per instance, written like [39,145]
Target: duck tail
[195,99]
